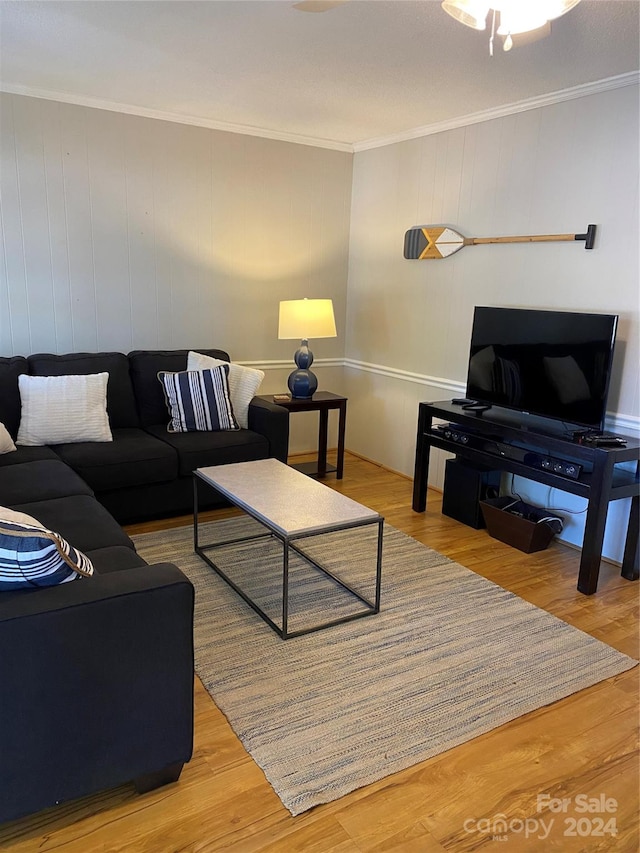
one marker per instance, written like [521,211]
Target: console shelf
[506,441]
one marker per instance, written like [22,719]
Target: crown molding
[595,88]
[177,118]
[630,79]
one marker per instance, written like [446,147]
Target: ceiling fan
[518,26]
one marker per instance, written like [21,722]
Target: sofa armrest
[97,685]
[272,421]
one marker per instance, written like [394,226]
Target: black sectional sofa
[97,675]
[145,472]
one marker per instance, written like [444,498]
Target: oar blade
[429,242]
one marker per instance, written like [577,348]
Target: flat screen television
[555,364]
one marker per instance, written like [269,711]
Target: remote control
[476,407]
[461,401]
[607,441]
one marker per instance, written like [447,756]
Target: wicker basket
[519,524]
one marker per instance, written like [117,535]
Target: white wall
[121,232]
[550,170]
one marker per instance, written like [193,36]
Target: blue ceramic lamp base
[302,382]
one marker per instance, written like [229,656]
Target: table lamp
[304,319]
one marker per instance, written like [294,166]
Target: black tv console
[505,441]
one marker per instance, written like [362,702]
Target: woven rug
[450,656]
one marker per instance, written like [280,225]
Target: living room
[128,226]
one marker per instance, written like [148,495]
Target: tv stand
[502,440]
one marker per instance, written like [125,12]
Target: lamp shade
[471,13]
[306,318]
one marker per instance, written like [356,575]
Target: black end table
[322,402]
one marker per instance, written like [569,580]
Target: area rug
[449,657]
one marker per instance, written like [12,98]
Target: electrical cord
[570,511]
[554,521]
[548,501]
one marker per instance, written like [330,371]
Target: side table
[321,402]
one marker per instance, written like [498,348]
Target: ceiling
[366,70]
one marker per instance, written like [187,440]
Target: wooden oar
[440,241]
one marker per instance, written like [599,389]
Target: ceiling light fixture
[515,16]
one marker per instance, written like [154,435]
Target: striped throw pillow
[32,556]
[198,400]
[243,382]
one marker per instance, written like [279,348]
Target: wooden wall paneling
[275,239]
[426,181]
[5,314]
[109,218]
[198,325]
[57,226]
[142,235]
[230,214]
[186,173]
[15,324]
[30,162]
[80,233]
[163,154]
[311,232]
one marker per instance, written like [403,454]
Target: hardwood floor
[480,795]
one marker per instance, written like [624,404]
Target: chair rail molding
[626,424]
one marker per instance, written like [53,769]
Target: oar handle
[588,238]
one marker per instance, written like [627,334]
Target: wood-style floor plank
[586,744]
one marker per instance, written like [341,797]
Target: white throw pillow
[6,442]
[61,409]
[243,382]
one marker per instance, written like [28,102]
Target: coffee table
[290,507]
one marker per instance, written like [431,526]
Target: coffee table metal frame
[288,544]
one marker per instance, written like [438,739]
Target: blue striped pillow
[31,556]
[199,400]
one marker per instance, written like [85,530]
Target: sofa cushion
[79,519]
[120,400]
[57,409]
[9,514]
[158,500]
[39,481]
[31,556]
[200,449]
[10,369]
[114,559]
[132,458]
[6,442]
[145,365]
[26,454]
[198,400]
